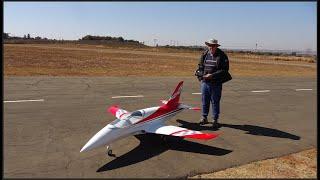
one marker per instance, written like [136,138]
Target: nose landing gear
[109,152]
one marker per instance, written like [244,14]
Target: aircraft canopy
[127,121]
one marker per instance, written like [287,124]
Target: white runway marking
[261,91]
[126,96]
[30,100]
[196,93]
[303,89]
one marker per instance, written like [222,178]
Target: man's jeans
[211,93]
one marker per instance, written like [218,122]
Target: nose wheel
[109,152]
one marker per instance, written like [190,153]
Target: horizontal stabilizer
[189,107]
[195,108]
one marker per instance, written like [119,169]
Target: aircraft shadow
[151,145]
[195,126]
[250,129]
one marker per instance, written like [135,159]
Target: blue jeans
[211,93]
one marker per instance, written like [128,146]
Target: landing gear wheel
[179,139]
[164,140]
[110,152]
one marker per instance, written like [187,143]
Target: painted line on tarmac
[256,91]
[29,100]
[126,96]
[261,91]
[303,89]
[196,93]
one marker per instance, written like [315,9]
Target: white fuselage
[130,126]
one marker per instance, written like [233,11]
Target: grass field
[97,60]
[297,165]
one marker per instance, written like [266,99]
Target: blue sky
[273,25]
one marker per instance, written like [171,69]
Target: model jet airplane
[148,120]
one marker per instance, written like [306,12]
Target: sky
[270,25]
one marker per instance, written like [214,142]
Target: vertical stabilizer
[175,97]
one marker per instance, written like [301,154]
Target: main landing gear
[109,152]
[164,140]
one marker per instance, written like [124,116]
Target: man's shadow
[152,145]
[250,129]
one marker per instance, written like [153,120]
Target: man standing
[213,67]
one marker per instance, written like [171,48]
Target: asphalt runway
[47,120]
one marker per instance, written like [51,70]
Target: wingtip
[113,109]
[202,136]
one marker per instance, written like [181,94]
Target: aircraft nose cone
[86,147]
[97,140]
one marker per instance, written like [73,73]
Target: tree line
[27,36]
[90,38]
[107,38]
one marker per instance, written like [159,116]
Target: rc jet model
[144,121]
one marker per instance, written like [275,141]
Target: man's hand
[207,76]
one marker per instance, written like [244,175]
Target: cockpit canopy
[131,118]
[136,113]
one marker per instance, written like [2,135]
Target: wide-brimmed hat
[211,42]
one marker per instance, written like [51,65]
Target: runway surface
[47,120]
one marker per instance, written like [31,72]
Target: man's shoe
[215,124]
[203,121]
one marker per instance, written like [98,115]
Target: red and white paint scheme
[148,120]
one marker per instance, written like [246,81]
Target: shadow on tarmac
[251,129]
[152,145]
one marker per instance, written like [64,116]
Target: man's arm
[200,66]
[201,60]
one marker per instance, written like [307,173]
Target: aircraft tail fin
[175,97]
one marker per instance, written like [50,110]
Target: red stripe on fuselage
[159,112]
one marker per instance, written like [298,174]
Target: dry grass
[298,165]
[95,60]
[310,59]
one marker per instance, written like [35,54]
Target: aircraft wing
[180,132]
[117,112]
